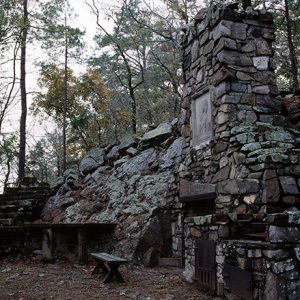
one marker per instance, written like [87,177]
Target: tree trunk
[7,173]
[133,110]
[292,55]
[22,146]
[65,104]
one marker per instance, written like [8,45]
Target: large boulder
[156,136]
[128,187]
[92,160]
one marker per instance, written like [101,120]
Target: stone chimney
[237,140]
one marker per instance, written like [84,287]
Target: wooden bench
[109,264]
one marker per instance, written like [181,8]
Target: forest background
[78,74]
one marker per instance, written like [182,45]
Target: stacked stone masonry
[239,144]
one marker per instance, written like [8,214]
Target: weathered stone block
[271,189]
[223,174]
[225,43]
[221,75]
[249,47]
[195,51]
[261,89]
[261,62]
[284,234]
[276,254]
[238,186]
[222,29]
[234,58]
[284,266]
[239,31]
[289,185]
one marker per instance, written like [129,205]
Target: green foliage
[89,111]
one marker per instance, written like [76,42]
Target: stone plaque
[201,120]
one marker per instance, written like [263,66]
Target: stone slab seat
[109,264]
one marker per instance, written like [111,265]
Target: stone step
[8,208]
[26,202]
[18,191]
[6,222]
[14,208]
[15,215]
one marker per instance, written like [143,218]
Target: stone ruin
[216,190]
[237,220]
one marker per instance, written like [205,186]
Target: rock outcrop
[129,184]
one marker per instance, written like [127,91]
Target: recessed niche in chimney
[202,130]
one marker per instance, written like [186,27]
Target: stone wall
[240,149]
[274,262]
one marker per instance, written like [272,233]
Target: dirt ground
[63,280]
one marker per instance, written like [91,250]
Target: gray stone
[222,29]
[239,87]
[56,184]
[249,47]
[263,47]
[243,76]
[71,174]
[225,43]
[92,160]
[239,31]
[223,174]
[261,89]
[195,50]
[208,48]
[132,151]
[238,186]
[234,58]
[289,185]
[113,153]
[239,158]
[126,143]
[284,234]
[284,266]
[261,62]
[156,136]
[121,161]
[138,164]
[247,116]
[271,189]
[293,288]
[175,150]
[276,254]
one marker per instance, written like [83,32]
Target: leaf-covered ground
[35,280]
